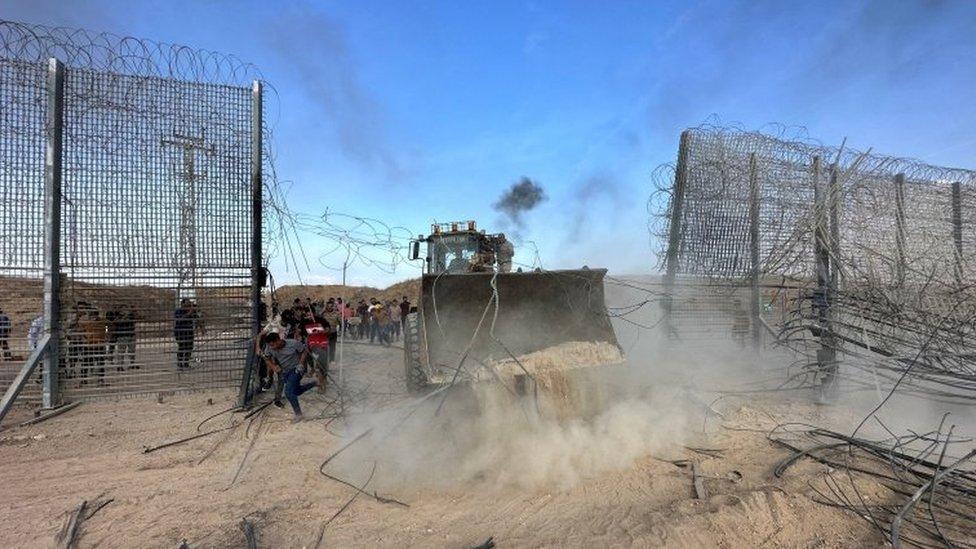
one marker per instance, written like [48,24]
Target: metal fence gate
[130,214]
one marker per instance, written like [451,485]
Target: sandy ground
[268,470]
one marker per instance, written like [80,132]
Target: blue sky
[410,112]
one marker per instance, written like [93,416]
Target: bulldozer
[478,320]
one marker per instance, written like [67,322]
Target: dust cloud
[482,436]
[667,395]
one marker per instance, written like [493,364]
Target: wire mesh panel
[156,242]
[899,223]
[967,205]
[714,237]
[22,146]
[156,229]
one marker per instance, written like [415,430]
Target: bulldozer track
[413,354]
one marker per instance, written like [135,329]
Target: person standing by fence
[125,338]
[5,334]
[95,332]
[34,332]
[404,311]
[184,331]
[394,308]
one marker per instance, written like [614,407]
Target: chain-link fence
[742,205]
[823,249]
[894,214]
[158,236]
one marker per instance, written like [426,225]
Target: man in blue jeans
[289,355]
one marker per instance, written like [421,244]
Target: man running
[289,355]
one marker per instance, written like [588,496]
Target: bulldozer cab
[456,248]
[452,253]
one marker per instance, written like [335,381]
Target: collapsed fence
[131,205]
[823,250]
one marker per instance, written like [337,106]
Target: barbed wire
[714,240]
[356,240]
[117,58]
[901,254]
[104,51]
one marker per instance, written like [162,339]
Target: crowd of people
[95,341]
[303,338]
[379,321]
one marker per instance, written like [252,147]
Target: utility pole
[187,255]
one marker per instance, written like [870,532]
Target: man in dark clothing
[404,311]
[333,318]
[125,338]
[289,320]
[363,312]
[288,356]
[184,330]
[5,335]
[111,318]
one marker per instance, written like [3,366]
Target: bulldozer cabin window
[451,253]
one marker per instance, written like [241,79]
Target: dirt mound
[565,356]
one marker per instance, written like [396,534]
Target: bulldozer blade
[533,311]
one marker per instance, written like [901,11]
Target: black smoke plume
[520,198]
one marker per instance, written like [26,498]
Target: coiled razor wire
[156,204]
[103,51]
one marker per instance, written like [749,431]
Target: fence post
[900,229]
[675,229]
[957,228]
[51,393]
[257,270]
[754,251]
[835,200]
[827,354]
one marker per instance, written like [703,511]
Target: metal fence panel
[156,211]
[22,146]
[896,223]
[714,222]
[157,236]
